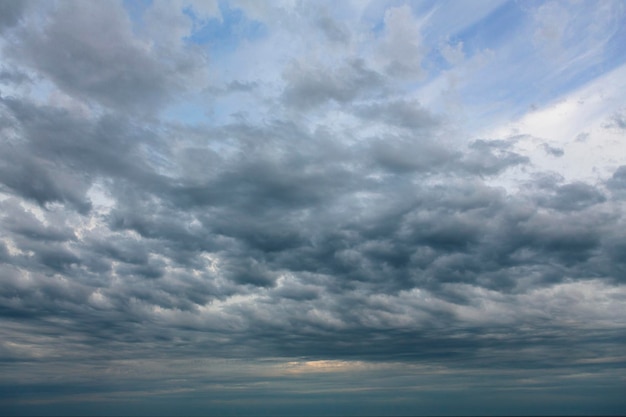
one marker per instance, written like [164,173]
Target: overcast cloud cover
[312,207]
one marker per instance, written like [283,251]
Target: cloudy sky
[312,207]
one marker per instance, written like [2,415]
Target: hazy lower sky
[306,208]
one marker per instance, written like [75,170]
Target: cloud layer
[248,208]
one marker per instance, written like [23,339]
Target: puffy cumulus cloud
[308,87]
[332,239]
[90,51]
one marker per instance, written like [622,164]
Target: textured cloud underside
[264,194]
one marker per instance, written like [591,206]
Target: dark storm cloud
[42,182]
[291,204]
[126,250]
[405,236]
[60,154]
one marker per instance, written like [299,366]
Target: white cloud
[584,112]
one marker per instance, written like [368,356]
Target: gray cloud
[379,258]
[551,150]
[491,157]
[617,121]
[11,12]
[333,30]
[618,179]
[89,50]
[11,76]
[38,180]
[309,87]
[399,113]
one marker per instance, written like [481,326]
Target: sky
[312,208]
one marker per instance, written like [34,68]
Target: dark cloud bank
[284,266]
